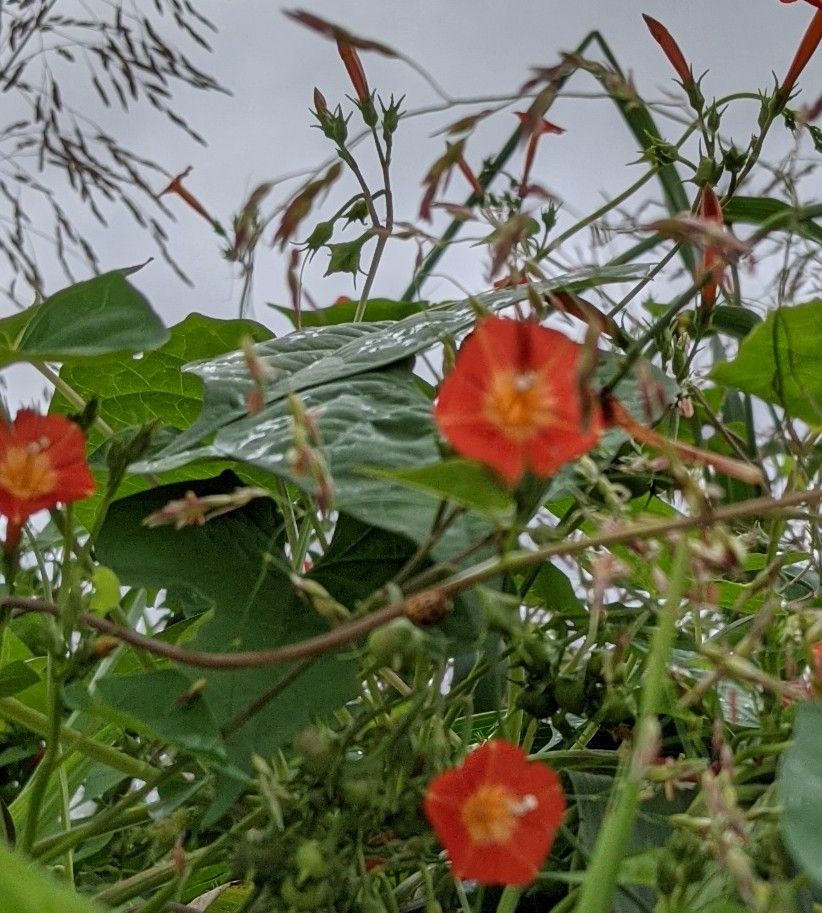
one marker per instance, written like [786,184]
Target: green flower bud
[569,693]
[311,861]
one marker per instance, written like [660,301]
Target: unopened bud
[320,104]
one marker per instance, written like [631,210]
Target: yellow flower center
[490,815]
[26,472]
[520,404]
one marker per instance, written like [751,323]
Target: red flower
[534,129]
[671,49]
[514,400]
[816,3]
[713,262]
[176,186]
[497,814]
[42,462]
[807,47]
[354,68]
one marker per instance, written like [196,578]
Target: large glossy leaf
[800,792]
[780,361]
[131,392]
[236,562]
[156,387]
[24,888]
[310,357]
[378,420]
[97,317]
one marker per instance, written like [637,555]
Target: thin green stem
[597,890]
[72,396]
[36,722]
[291,530]
[379,249]
[603,210]
[51,848]
[168,892]
[49,760]
[158,875]
[635,351]
[110,816]
[65,821]
[509,899]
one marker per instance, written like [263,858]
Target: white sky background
[472,47]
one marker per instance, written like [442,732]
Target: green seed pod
[312,897]
[398,644]
[311,861]
[539,703]
[316,748]
[569,693]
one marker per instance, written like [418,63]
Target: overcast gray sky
[472,47]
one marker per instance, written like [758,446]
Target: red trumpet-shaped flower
[670,49]
[806,49]
[534,129]
[354,68]
[42,463]
[515,400]
[713,262]
[497,814]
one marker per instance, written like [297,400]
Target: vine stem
[38,723]
[49,760]
[72,396]
[161,873]
[105,821]
[509,899]
[603,210]
[384,231]
[601,877]
[354,630]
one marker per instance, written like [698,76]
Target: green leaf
[733,320]
[227,898]
[307,358]
[557,594]
[24,888]
[800,791]
[774,214]
[157,386]
[159,703]
[106,593]
[463,481]
[781,362]
[97,317]
[359,559]
[343,312]
[10,330]
[236,561]
[16,677]
[378,420]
